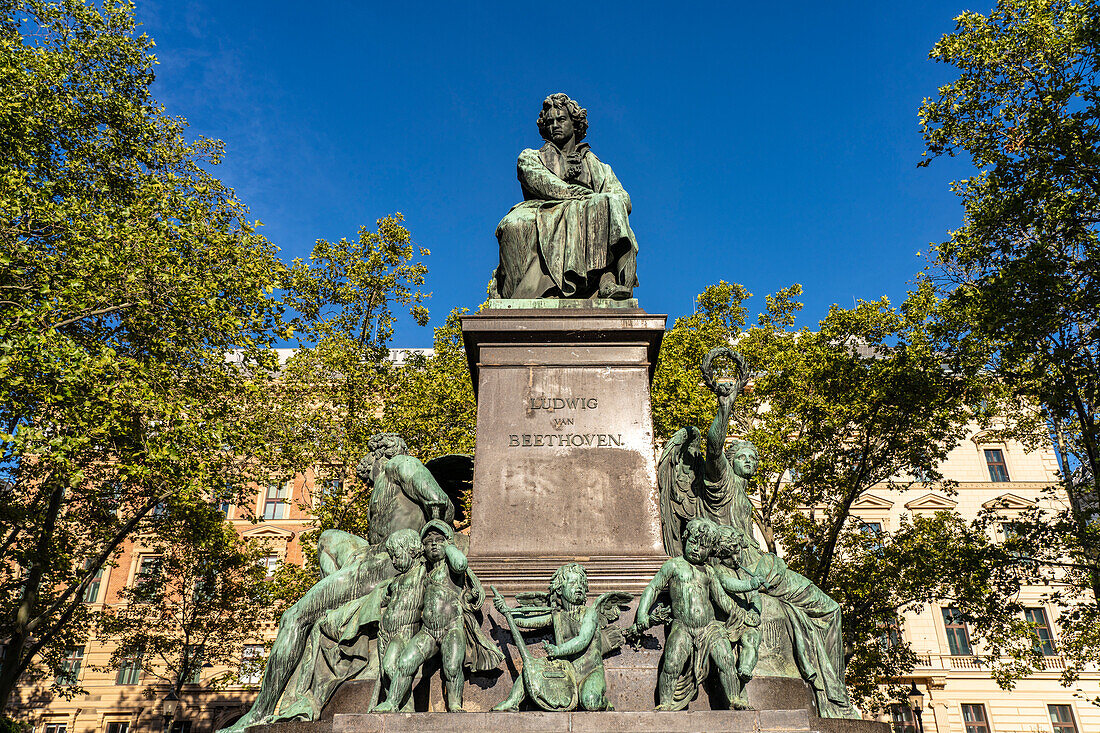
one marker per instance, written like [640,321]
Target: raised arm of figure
[716,463]
[419,485]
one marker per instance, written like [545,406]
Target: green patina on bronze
[814,618]
[572,674]
[695,488]
[696,636]
[448,627]
[570,237]
[333,617]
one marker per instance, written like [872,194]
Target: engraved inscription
[563,440]
[553,404]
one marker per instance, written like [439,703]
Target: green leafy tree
[1021,272]
[432,404]
[200,595]
[677,395]
[331,392]
[135,306]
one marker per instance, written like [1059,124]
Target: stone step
[735,721]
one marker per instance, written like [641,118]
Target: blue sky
[762,143]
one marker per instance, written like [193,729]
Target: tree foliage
[332,390]
[678,396]
[1022,272]
[128,276]
[200,595]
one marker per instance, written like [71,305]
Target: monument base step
[737,721]
[511,575]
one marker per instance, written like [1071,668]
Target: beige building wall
[105,705]
[950,682]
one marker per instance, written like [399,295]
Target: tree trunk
[14,659]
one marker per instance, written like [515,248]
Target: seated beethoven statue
[570,237]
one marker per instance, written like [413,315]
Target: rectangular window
[224,499]
[204,589]
[891,634]
[192,664]
[147,568]
[974,718]
[902,720]
[118,726]
[181,726]
[1061,717]
[873,532]
[269,563]
[91,593]
[275,502]
[129,673]
[62,727]
[252,664]
[958,639]
[69,673]
[1044,638]
[995,461]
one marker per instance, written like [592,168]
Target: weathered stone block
[564,463]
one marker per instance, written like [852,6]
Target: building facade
[959,695]
[115,701]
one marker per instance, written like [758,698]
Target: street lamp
[171,702]
[916,701]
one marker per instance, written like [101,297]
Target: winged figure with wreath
[712,485]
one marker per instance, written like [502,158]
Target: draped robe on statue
[553,244]
[815,630]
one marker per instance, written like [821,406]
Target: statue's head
[742,455]
[382,447]
[731,540]
[435,535]
[562,118]
[569,584]
[700,538]
[404,548]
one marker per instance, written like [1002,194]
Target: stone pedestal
[565,468]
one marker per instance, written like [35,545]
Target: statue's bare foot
[383,707]
[505,708]
[740,703]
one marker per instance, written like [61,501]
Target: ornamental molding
[1009,501]
[871,502]
[268,533]
[931,503]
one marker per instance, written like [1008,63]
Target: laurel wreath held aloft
[725,388]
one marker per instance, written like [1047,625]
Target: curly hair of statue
[577,113]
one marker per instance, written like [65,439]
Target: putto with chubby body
[583,634]
[696,636]
[452,593]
